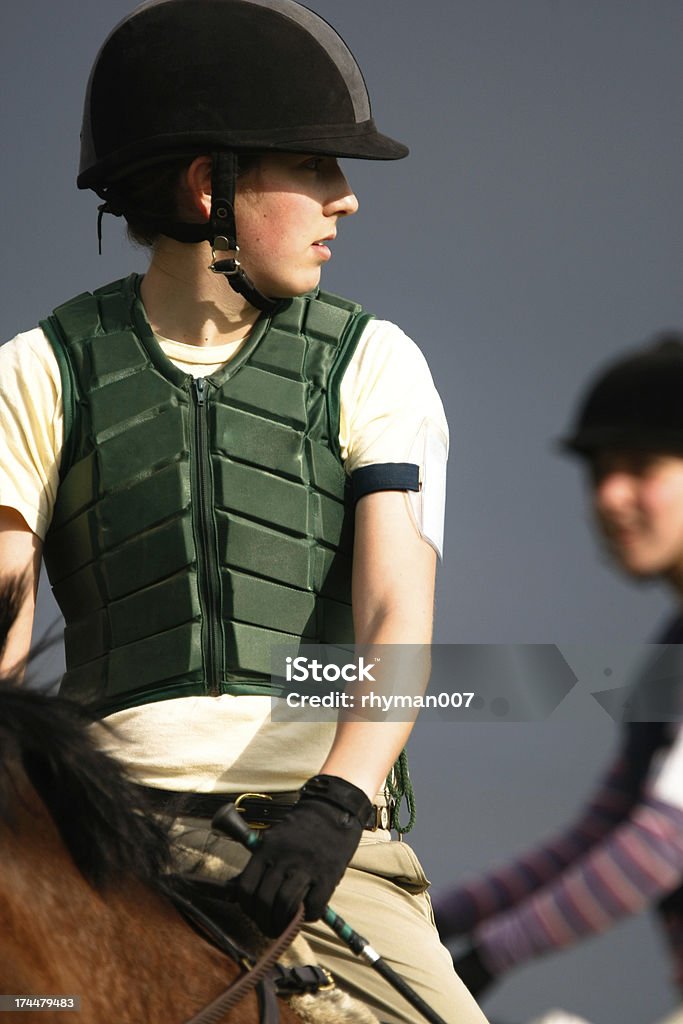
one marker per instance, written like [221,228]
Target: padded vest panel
[196,526]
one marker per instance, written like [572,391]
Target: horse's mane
[100,814]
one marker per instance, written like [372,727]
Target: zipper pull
[200,390]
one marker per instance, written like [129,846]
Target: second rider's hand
[303,857]
[473,972]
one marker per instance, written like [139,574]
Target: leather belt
[260,810]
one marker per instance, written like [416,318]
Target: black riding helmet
[636,404]
[222,76]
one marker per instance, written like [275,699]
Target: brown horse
[83,903]
[84,907]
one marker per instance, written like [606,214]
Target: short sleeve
[666,780]
[31,428]
[393,433]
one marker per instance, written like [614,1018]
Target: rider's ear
[195,190]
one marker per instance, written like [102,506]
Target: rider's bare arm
[393,602]
[20,554]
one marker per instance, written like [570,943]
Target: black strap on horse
[253,979]
[269,978]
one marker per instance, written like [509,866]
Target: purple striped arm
[638,863]
[459,910]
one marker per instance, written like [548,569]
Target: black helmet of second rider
[635,403]
[177,78]
[629,432]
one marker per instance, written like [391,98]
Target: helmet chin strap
[223,232]
[220,230]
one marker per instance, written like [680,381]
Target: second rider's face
[638,501]
[287,209]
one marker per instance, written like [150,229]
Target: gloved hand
[303,857]
[473,972]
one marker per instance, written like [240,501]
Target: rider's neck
[184,301]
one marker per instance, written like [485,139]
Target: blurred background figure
[624,852]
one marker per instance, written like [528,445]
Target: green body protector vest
[198,522]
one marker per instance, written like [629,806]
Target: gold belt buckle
[331,983]
[380,818]
[248,796]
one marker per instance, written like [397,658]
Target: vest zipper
[208,573]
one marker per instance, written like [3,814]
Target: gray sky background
[533,233]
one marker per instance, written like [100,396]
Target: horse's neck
[125,951]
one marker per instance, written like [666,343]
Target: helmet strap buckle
[223,232]
[220,264]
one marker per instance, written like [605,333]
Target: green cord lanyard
[400,788]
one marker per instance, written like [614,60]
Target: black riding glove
[302,858]
[473,972]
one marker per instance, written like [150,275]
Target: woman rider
[216,458]
[624,851]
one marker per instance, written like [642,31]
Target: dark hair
[150,195]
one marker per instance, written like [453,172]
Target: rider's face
[287,208]
[638,502]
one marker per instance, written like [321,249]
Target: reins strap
[215,1011]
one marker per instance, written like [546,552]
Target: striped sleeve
[461,909]
[639,862]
